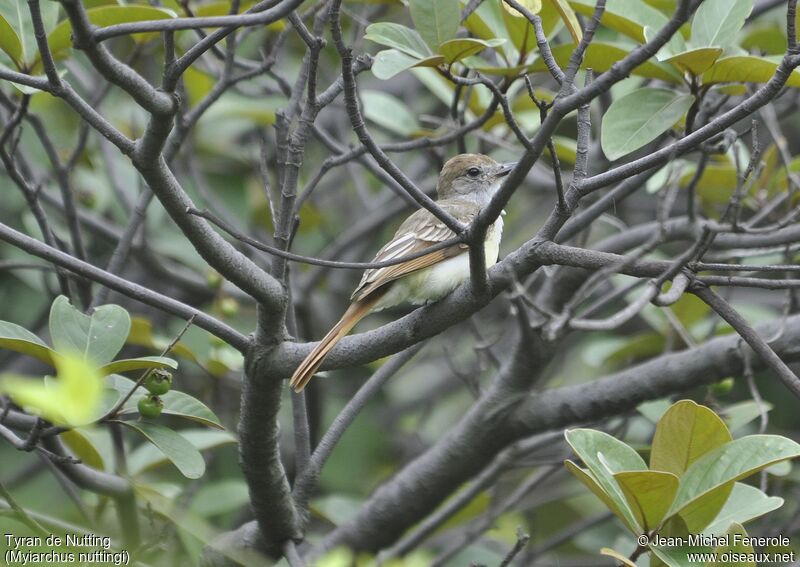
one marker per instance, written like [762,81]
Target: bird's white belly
[434,282]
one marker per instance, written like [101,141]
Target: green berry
[229,307]
[150,407]
[158,382]
[214,280]
[723,386]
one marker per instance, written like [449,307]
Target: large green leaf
[640,117]
[624,513]
[18,17]
[435,20]
[398,37]
[695,61]
[740,414]
[745,69]
[738,548]
[519,28]
[20,339]
[390,62]
[60,38]
[457,49]
[649,494]
[140,363]
[629,17]
[745,503]
[570,20]
[604,456]
[146,457]
[171,445]
[725,465]
[389,112]
[686,432]
[71,400]
[98,337]
[677,556]
[702,511]
[716,22]
[9,42]
[486,22]
[600,56]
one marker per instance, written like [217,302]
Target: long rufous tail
[307,368]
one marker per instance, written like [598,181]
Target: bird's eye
[473,172]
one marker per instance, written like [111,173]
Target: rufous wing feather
[357,311]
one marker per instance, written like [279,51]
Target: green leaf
[717,22]
[767,38]
[716,184]
[588,443]
[695,61]
[588,479]
[435,20]
[399,37]
[629,17]
[140,363]
[607,551]
[519,29]
[745,503]
[20,339]
[601,56]
[390,62]
[640,117]
[198,84]
[486,22]
[171,444]
[18,17]
[649,494]
[736,548]
[60,38]
[677,556]
[71,400]
[9,42]
[146,457]
[723,466]
[739,415]
[98,337]
[533,6]
[675,44]
[570,20]
[389,112]
[457,49]
[745,69]
[686,432]
[604,456]
[82,447]
[220,497]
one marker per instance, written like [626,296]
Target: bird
[465,185]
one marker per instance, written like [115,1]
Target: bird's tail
[307,368]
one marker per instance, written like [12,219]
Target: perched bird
[466,184]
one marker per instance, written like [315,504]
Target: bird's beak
[505,169]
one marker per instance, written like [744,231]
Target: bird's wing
[419,231]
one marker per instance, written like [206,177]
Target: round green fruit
[150,407]
[229,307]
[158,382]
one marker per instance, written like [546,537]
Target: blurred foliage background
[229,162]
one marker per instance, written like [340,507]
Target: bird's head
[474,177]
